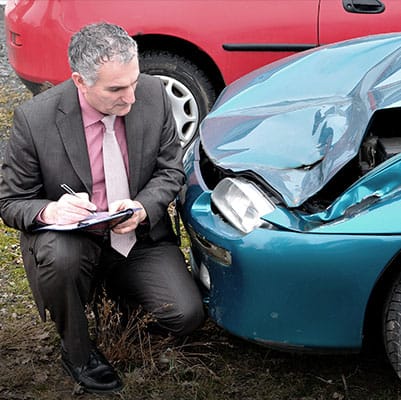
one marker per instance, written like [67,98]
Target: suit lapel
[70,125]
[134,128]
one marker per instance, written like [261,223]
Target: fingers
[79,204]
[127,226]
[131,223]
[120,205]
[68,209]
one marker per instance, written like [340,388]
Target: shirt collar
[90,115]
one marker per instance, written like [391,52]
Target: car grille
[211,174]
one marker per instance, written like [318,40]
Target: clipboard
[91,221]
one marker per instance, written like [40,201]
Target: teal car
[293,201]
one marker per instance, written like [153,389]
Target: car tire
[392,326]
[188,87]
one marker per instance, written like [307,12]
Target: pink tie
[116,182]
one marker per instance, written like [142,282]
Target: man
[57,140]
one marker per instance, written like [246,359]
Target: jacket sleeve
[20,181]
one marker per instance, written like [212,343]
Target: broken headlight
[242,203]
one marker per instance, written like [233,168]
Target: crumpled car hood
[298,121]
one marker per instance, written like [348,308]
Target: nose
[129,95]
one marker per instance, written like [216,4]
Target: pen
[68,190]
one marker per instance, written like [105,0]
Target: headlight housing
[242,203]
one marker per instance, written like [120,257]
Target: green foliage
[15,297]
[9,99]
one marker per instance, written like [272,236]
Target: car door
[345,19]
[251,33]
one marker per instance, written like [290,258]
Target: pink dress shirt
[94,131]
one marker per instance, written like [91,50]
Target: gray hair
[96,44]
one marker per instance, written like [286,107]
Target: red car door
[345,19]
[238,35]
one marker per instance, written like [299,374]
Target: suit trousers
[67,267]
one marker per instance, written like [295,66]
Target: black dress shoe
[96,376]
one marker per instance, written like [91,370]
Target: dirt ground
[210,364]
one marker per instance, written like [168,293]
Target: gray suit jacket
[48,147]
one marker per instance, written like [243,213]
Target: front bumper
[282,288]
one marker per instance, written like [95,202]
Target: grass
[209,365]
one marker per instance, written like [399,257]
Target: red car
[196,46]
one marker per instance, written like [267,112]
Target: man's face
[114,90]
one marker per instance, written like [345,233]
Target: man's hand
[131,223]
[68,209]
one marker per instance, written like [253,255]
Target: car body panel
[302,279]
[188,20]
[209,26]
[274,118]
[336,25]
[43,29]
[288,289]
[196,47]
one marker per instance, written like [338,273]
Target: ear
[79,81]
